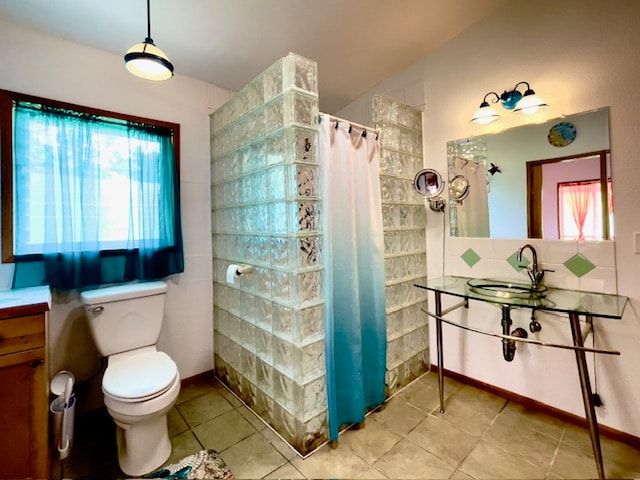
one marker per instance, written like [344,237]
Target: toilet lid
[139,376]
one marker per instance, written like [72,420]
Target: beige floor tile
[175,423]
[620,453]
[231,398]
[183,445]
[193,390]
[371,473]
[253,457]
[407,460]
[251,417]
[223,431]
[327,462]
[536,448]
[205,407]
[489,461]
[422,395]
[370,442]
[513,440]
[460,475]
[574,462]
[398,416]
[616,470]
[466,416]
[577,437]
[479,398]
[279,444]
[444,440]
[286,471]
[519,416]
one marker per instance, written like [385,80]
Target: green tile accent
[517,266]
[579,265]
[470,257]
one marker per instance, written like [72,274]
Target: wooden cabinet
[24,405]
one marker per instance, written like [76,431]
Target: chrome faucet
[535,275]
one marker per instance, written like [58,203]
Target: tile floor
[480,436]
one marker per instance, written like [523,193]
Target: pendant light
[147,61]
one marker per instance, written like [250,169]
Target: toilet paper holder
[234,271]
[243,269]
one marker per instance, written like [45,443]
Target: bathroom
[579,57]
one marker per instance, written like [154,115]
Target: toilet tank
[125,317]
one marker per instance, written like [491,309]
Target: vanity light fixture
[512,99]
[147,61]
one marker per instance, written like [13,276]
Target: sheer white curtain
[354,262]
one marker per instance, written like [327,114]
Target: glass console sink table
[573,303]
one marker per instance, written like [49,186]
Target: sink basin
[506,289]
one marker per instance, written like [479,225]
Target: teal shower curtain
[354,265]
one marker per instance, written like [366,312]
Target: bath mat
[204,464]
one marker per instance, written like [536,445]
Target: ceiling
[357,43]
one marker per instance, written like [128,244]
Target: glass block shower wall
[404,217]
[269,324]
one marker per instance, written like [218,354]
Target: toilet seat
[140,377]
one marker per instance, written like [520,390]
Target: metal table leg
[587,396]
[439,348]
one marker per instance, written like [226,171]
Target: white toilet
[140,384]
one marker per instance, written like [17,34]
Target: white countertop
[25,297]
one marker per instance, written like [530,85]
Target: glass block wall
[269,324]
[404,220]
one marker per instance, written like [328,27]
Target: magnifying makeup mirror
[458,188]
[430,185]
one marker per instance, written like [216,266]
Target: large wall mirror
[550,180]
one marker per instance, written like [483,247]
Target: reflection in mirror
[429,184]
[511,176]
[458,188]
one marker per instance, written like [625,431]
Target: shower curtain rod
[364,128]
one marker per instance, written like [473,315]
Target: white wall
[53,68]
[578,55]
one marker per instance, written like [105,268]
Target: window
[581,212]
[80,185]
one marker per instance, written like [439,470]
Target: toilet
[140,384]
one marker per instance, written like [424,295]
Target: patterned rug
[204,464]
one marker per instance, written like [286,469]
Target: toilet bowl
[138,392]
[140,384]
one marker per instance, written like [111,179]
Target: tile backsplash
[587,266]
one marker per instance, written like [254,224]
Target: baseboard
[207,376]
[605,431]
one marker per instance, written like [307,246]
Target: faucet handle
[539,275]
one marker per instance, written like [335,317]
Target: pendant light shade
[485,114]
[530,103]
[146,60]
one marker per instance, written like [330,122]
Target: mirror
[522,182]
[430,185]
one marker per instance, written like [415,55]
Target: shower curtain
[354,265]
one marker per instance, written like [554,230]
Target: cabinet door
[24,431]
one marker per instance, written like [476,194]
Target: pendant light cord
[148,39]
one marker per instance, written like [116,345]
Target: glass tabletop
[556,299]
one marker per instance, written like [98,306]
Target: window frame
[7,100]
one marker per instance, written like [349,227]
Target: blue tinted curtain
[354,265]
[68,170]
